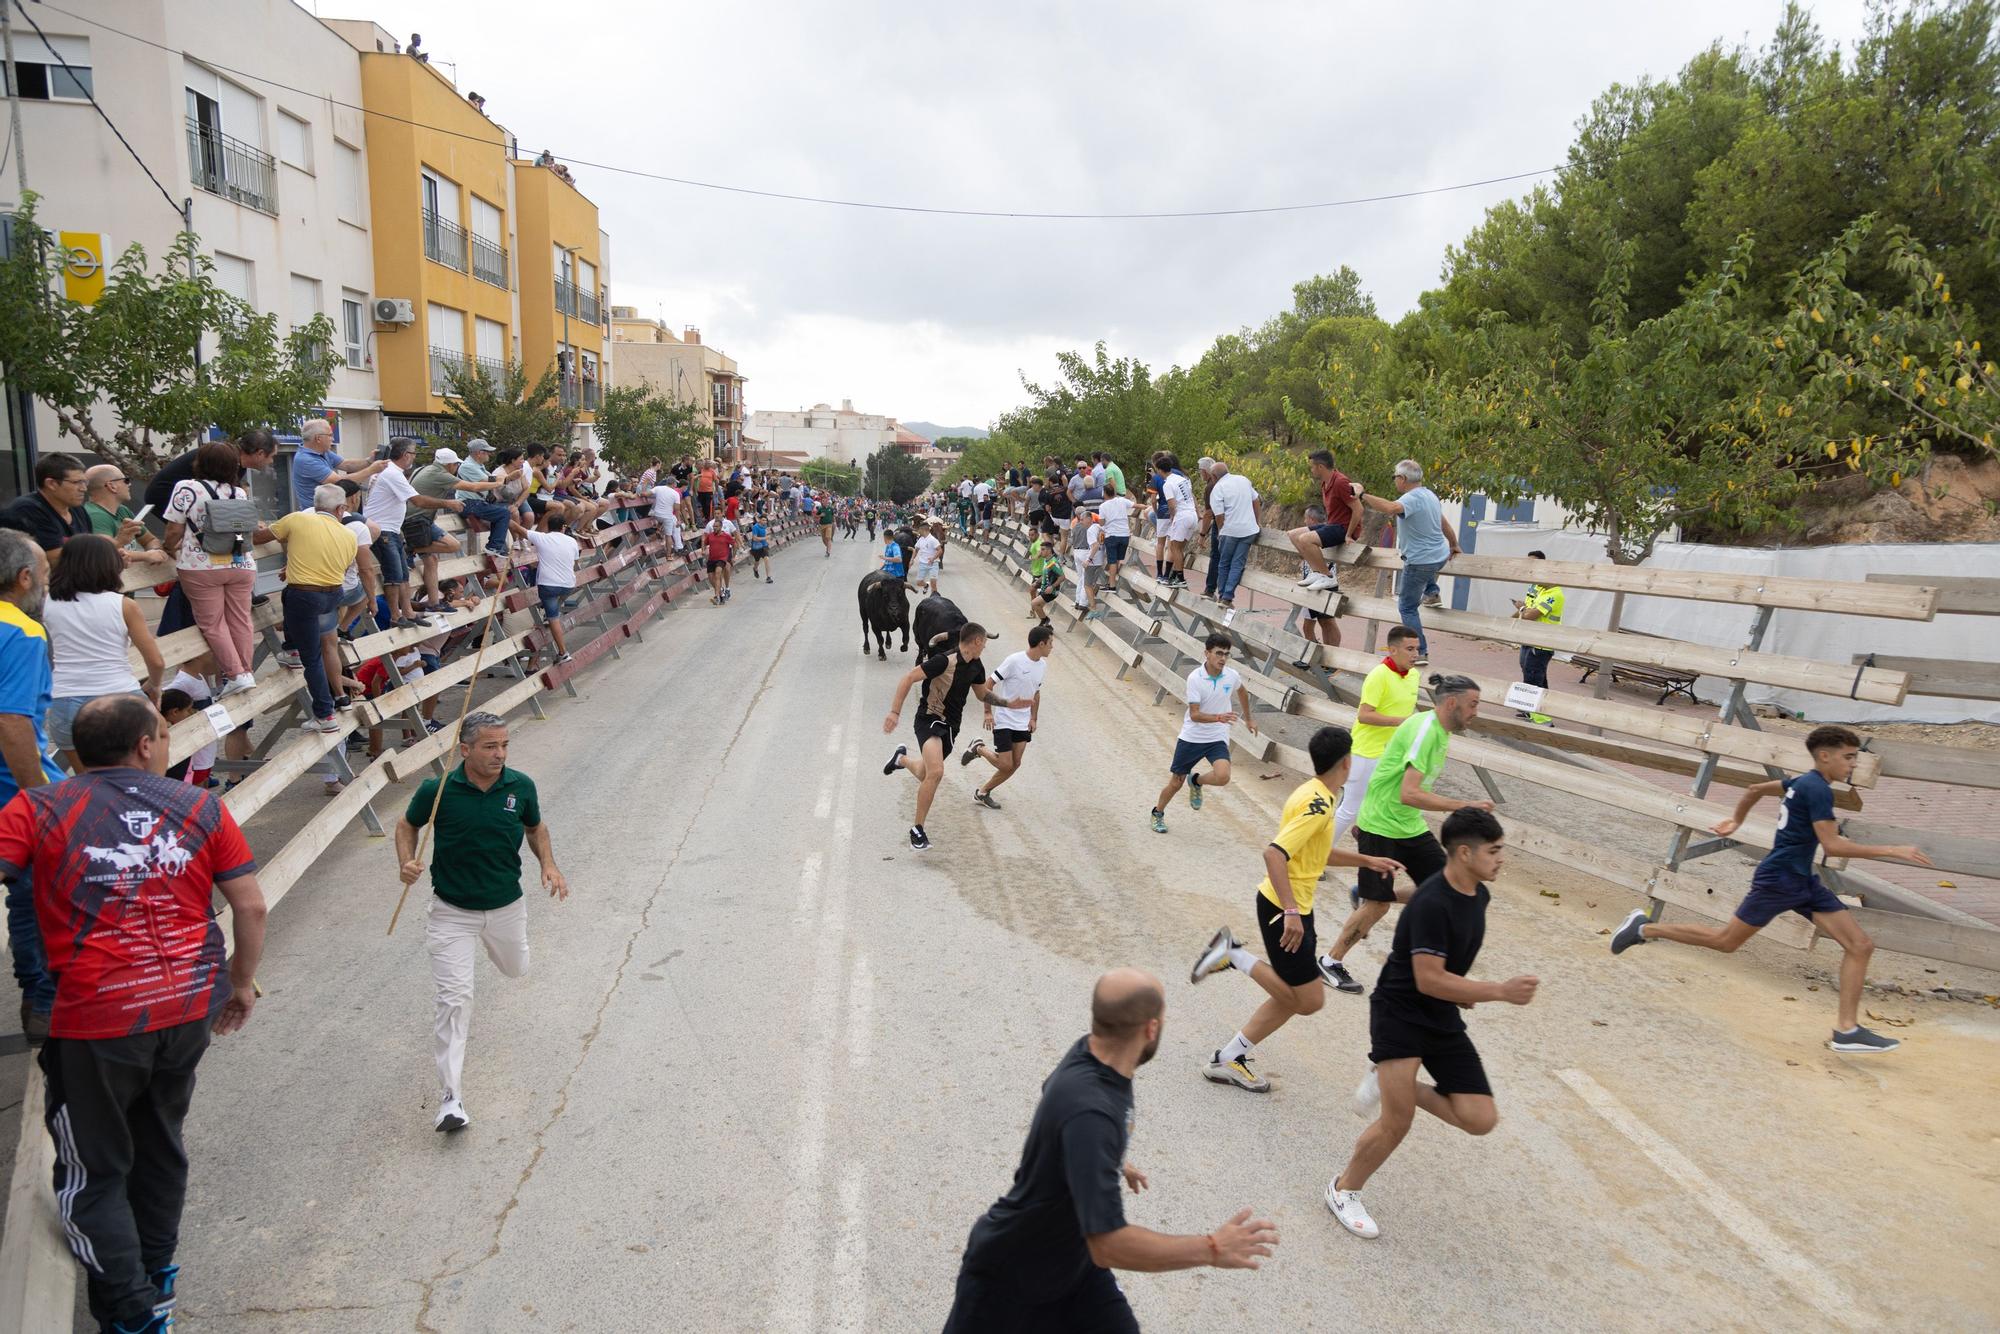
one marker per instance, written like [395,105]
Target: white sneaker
[451,1114]
[1367,1100]
[1347,1207]
[235,684]
[1306,580]
[1322,582]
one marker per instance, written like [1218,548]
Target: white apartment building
[278,178]
[840,434]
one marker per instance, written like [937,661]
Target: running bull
[885,607]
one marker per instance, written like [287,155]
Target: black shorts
[1294,969]
[1006,738]
[983,1304]
[1330,535]
[928,727]
[714,565]
[1450,1057]
[1421,857]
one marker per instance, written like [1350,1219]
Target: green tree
[894,476]
[1336,295]
[825,474]
[508,410]
[128,376]
[639,425]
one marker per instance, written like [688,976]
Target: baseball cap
[447,456]
[478,445]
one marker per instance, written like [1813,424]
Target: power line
[870,205]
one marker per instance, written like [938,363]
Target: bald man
[1041,1258]
[107,503]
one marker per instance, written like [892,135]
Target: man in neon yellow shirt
[1544,603]
[1293,864]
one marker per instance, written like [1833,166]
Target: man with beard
[1041,1257]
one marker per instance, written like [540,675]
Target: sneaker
[433,725]
[767,579]
[1214,957]
[1627,935]
[1237,1072]
[1229,616]
[1334,973]
[919,840]
[562,658]
[895,761]
[1323,583]
[451,1114]
[326,726]
[409,623]
[1159,822]
[1194,792]
[1433,600]
[981,797]
[1301,664]
[244,681]
[1347,1207]
[289,660]
[1423,660]
[971,753]
[1367,1099]
[1306,579]
[1861,1040]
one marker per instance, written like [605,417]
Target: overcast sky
[1048,107]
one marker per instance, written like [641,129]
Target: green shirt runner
[1418,743]
[477,865]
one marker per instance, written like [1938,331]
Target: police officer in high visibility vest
[1544,602]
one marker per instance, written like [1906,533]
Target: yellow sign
[83,266]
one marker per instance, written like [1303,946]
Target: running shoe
[433,725]
[895,761]
[1237,1072]
[971,753]
[1353,1215]
[289,660]
[1159,822]
[1306,580]
[1194,792]
[1367,1099]
[1423,660]
[1214,957]
[1323,583]
[1627,934]
[981,797]
[1334,973]
[323,725]
[562,658]
[919,840]
[1301,664]
[1861,1040]
[1433,600]
[768,579]
[451,1114]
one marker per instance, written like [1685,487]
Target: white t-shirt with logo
[927,549]
[556,558]
[1116,516]
[1019,677]
[1209,694]
[388,500]
[666,505]
[1232,500]
[1179,488]
[1095,537]
[965,489]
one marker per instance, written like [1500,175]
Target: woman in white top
[91,627]
[218,587]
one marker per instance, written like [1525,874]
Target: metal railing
[493,368]
[444,359]
[566,295]
[583,395]
[489,261]
[587,307]
[444,241]
[231,168]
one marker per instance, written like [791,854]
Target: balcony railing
[578,302]
[444,241]
[584,395]
[566,295]
[489,261]
[493,369]
[587,308]
[443,360]
[231,168]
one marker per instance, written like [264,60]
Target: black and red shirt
[123,864]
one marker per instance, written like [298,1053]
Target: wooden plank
[552,677]
[373,712]
[1958,595]
[278,874]
[1960,765]
[353,652]
[1957,678]
[37,1275]
[190,734]
[1928,938]
[282,767]
[414,760]
[1277,694]
[1127,654]
[1956,853]
[183,646]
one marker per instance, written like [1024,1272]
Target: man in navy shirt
[1784,881]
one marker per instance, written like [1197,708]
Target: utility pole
[13,98]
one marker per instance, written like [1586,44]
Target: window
[586,275]
[236,276]
[39,73]
[294,142]
[305,300]
[224,108]
[352,305]
[491,340]
[486,221]
[353,205]
[446,327]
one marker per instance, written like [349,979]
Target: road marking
[1806,1278]
[850,1257]
[825,802]
[860,1014]
[833,742]
[808,886]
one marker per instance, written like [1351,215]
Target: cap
[446,456]
[478,445]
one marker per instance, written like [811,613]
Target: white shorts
[1181,527]
[1362,769]
[921,573]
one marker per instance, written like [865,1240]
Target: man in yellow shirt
[1543,603]
[319,550]
[1293,864]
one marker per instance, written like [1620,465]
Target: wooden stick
[464,708]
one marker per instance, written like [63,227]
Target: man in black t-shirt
[1040,1259]
[1415,1016]
[947,678]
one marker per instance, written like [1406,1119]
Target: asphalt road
[769,1064]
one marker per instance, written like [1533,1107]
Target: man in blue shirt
[1784,880]
[318,459]
[25,761]
[892,556]
[760,548]
[1425,539]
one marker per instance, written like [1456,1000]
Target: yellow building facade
[563,315]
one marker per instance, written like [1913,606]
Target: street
[769,1064]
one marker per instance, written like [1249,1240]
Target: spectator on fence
[1238,523]
[1112,473]
[317,461]
[1425,539]
[555,575]
[476,498]
[212,526]
[107,504]
[1182,517]
[25,760]
[361,586]
[319,552]
[1205,475]
[125,863]
[92,627]
[1543,603]
[390,499]
[438,478]
[1315,541]
[53,512]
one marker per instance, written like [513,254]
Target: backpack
[228,523]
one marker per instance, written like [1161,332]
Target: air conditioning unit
[394,310]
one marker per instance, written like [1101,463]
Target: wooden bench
[1669,681]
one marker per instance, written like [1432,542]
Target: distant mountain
[932,431]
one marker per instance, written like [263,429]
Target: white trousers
[449,934]
[1351,794]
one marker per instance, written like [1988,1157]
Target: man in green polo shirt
[107,504]
[1544,603]
[482,815]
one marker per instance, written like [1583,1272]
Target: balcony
[575,301]
[585,395]
[489,262]
[445,242]
[443,361]
[493,369]
[231,168]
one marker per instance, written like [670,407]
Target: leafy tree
[1335,295]
[825,474]
[956,444]
[509,410]
[895,476]
[639,425]
[128,376]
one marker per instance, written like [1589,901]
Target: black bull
[885,607]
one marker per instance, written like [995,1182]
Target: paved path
[769,1064]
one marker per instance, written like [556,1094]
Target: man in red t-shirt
[124,861]
[718,543]
[1314,541]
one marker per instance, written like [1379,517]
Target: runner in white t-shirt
[1212,689]
[1115,513]
[555,576]
[930,553]
[1019,680]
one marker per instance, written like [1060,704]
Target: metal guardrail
[586,395]
[489,261]
[443,361]
[445,241]
[231,168]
